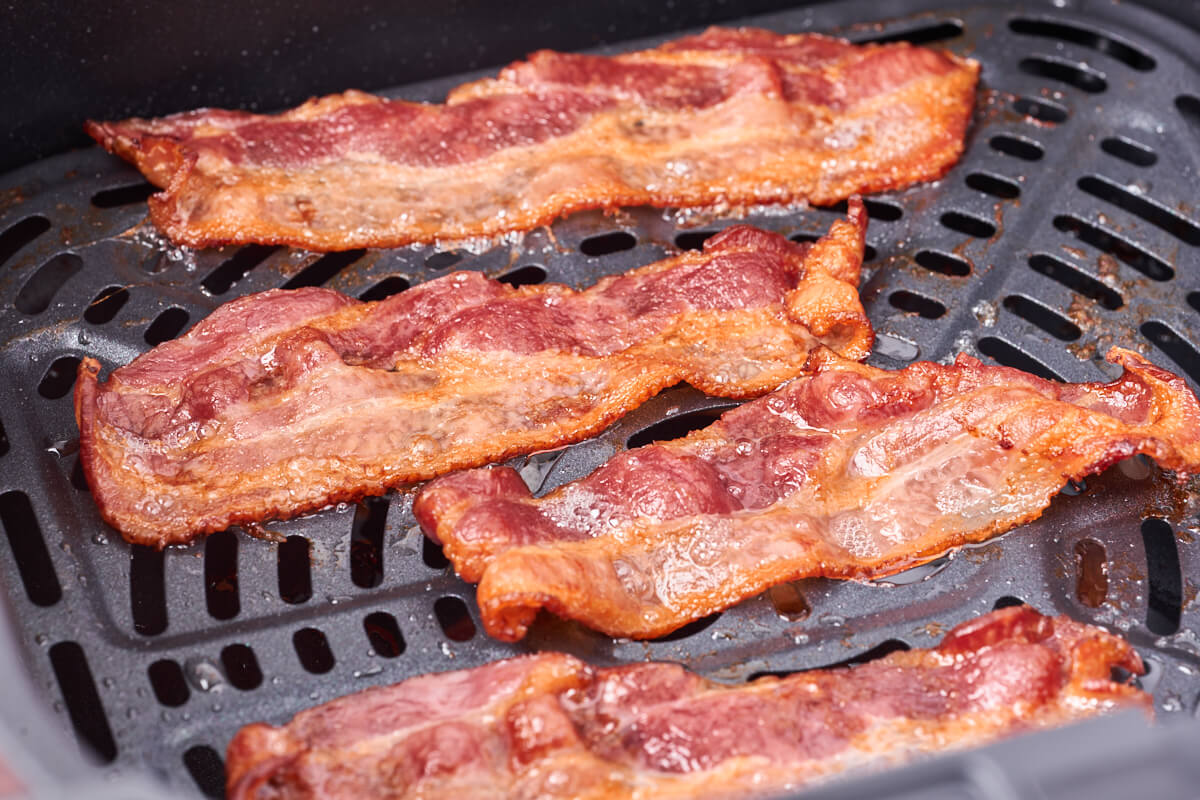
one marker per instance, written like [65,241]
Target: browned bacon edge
[726,119]
[548,725]
[850,472]
[285,402]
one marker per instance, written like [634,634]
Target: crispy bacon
[730,117]
[548,725]
[852,472]
[286,401]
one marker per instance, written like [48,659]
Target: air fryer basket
[1067,228]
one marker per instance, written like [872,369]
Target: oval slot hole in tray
[1180,350]
[20,234]
[1058,270]
[1189,107]
[1017,147]
[528,275]
[454,618]
[924,34]
[1164,606]
[690,629]
[366,542]
[884,648]
[968,224]
[147,590]
[241,667]
[236,267]
[78,687]
[607,243]
[166,326]
[1081,76]
[432,555]
[1091,573]
[123,195]
[312,648]
[393,284]
[1144,262]
[59,377]
[106,304]
[1007,601]
[693,240]
[1157,215]
[221,575]
[1129,151]
[384,634]
[943,263]
[207,769]
[29,549]
[1075,34]
[876,209]
[1010,356]
[294,570]
[918,304]
[324,269]
[445,259]
[38,292]
[994,185]
[1050,321]
[167,681]
[1041,109]
[676,427]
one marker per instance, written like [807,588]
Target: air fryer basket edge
[1085,224]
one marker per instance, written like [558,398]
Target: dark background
[63,62]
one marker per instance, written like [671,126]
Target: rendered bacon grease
[727,118]
[548,725]
[287,401]
[850,472]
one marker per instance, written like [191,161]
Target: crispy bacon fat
[851,472]
[730,117]
[548,725]
[287,401]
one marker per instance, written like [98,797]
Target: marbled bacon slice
[849,472]
[284,402]
[726,118]
[551,726]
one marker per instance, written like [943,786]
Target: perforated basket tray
[1068,227]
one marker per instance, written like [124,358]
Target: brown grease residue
[1091,573]
[11,198]
[995,105]
[557,245]
[1084,351]
[258,531]
[1083,312]
[934,630]
[998,216]
[789,601]
[960,250]
[982,553]
[1108,268]
[1175,499]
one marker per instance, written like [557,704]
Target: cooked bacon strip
[852,472]
[730,117]
[287,401]
[548,725]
